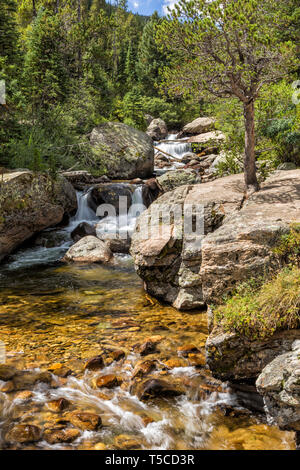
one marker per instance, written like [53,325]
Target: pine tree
[130,72]
[227,49]
[9,71]
[8,30]
[150,59]
[45,77]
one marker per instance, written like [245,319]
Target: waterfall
[176,148]
[84,212]
[123,225]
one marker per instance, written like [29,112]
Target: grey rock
[279,384]
[157,129]
[122,152]
[199,126]
[88,250]
[173,179]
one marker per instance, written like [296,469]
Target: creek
[55,317]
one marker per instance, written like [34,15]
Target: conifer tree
[45,77]
[227,48]
[150,58]
[9,70]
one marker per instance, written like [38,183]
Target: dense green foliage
[69,65]
[234,51]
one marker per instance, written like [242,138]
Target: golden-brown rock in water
[85,421]
[23,433]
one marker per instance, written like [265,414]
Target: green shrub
[258,312]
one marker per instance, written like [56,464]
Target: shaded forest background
[70,65]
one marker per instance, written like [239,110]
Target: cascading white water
[84,212]
[123,225]
[177,148]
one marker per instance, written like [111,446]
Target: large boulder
[157,129]
[110,194]
[234,243]
[199,126]
[173,179]
[166,257]
[88,250]
[279,384]
[30,203]
[122,151]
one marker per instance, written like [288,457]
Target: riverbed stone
[107,381]
[126,442]
[85,421]
[26,379]
[7,372]
[60,404]
[157,388]
[23,433]
[95,363]
[56,436]
[88,250]
[143,368]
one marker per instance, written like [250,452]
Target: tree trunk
[79,46]
[78,11]
[57,7]
[249,158]
[33,8]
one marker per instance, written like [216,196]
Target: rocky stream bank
[89,353]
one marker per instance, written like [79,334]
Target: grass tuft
[258,312]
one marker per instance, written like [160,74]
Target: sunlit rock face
[234,243]
[169,259]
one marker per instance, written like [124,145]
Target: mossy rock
[125,152]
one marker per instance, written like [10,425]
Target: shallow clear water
[65,314]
